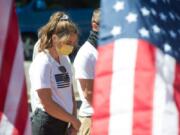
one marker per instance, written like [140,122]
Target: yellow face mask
[64,49]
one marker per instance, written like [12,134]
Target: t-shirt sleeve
[84,66]
[35,49]
[40,74]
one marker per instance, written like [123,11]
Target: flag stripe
[165,114]
[8,59]
[177,92]
[159,96]
[143,89]
[5,7]
[13,99]
[22,116]
[103,82]
[28,129]
[15,87]
[122,86]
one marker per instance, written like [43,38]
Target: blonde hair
[96,16]
[59,24]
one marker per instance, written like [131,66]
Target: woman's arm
[74,103]
[72,131]
[55,110]
[87,88]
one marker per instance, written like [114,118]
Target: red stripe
[143,89]
[177,91]
[8,58]
[22,113]
[102,90]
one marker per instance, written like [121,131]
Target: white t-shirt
[44,73]
[84,65]
[35,49]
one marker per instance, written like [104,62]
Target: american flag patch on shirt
[62,80]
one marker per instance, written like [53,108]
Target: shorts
[85,125]
[44,124]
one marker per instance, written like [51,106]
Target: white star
[131,17]
[176,53]
[145,11]
[177,16]
[144,32]
[171,15]
[156,29]
[167,47]
[179,31]
[154,1]
[153,11]
[116,30]
[173,34]
[119,6]
[168,1]
[163,17]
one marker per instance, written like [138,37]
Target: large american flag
[14,118]
[137,84]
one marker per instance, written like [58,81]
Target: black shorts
[44,124]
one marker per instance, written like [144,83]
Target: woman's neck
[54,54]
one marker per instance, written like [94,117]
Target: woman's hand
[76,124]
[72,131]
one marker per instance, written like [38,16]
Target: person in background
[84,65]
[51,78]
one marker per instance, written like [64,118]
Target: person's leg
[54,126]
[36,123]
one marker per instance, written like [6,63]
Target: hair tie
[64,18]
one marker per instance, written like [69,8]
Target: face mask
[64,50]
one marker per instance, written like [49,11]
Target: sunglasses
[62,69]
[65,74]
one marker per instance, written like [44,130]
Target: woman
[51,78]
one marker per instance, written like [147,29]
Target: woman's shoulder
[40,61]
[41,58]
